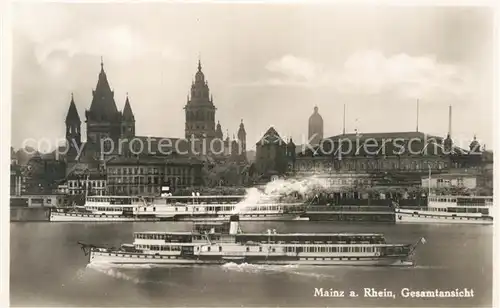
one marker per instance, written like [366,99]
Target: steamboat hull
[243,217]
[128,258]
[81,217]
[426,217]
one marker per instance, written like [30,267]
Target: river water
[47,268]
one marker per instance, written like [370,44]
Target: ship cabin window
[176,209]
[208,248]
[248,249]
[260,249]
[273,250]
[220,248]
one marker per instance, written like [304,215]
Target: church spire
[128,115]
[218,131]
[72,116]
[103,102]
[199,65]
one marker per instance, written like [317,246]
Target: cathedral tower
[73,126]
[103,118]
[315,133]
[218,131]
[128,121]
[200,109]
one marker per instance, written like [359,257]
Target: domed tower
[200,109]
[474,146]
[242,137]
[315,134]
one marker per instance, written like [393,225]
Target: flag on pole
[423,240]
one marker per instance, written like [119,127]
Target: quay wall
[29,214]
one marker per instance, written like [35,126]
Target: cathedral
[104,120]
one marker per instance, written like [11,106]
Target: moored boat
[103,209]
[450,209]
[223,242]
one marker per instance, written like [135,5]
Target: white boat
[220,208]
[188,208]
[104,209]
[450,209]
[224,242]
[88,217]
[183,208]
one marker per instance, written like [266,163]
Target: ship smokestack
[234,224]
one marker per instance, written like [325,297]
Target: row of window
[159,247]
[147,171]
[105,209]
[92,192]
[331,249]
[374,165]
[91,183]
[156,180]
[346,249]
[159,236]
[448,217]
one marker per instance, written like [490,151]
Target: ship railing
[234,253]
[320,208]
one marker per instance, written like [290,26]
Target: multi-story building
[147,175]
[448,180]
[16,180]
[411,152]
[92,184]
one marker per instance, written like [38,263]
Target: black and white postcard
[249,154]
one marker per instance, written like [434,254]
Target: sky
[268,64]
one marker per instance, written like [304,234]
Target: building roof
[271,137]
[103,101]
[381,144]
[72,116]
[128,115]
[385,135]
[152,160]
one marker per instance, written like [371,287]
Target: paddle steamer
[104,209]
[223,242]
[185,208]
[450,209]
